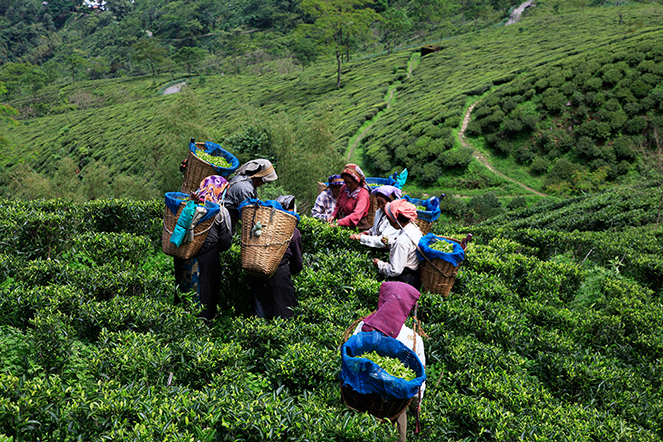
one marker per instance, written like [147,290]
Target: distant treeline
[41,42]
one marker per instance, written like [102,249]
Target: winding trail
[174,88]
[518,12]
[481,157]
[410,67]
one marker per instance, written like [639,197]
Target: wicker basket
[322,187]
[440,276]
[186,250]
[197,170]
[373,404]
[262,254]
[424,226]
[372,208]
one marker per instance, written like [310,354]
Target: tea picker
[367,386]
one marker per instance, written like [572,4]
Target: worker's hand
[385,240]
[375,262]
[355,236]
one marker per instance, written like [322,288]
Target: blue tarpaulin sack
[269,203]
[374,182]
[217,151]
[366,377]
[454,258]
[432,206]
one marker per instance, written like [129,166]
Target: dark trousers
[210,278]
[209,272]
[409,276]
[276,296]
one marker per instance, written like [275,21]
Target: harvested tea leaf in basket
[215,161]
[442,246]
[422,208]
[391,365]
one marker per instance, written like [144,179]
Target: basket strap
[426,257]
[253,221]
[266,245]
[195,234]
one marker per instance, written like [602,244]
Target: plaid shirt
[324,206]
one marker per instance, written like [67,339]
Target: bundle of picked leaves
[442,246]
[214,161]
[392,366]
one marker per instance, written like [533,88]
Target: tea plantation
[567,89]
[553,331]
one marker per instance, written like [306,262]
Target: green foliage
[537,336]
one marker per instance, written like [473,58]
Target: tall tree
[337,24]
[394,25]
[189,56]
[147,49]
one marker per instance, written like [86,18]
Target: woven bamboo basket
[322,187]
[196,171]
[373,404]
[372,208]
[440,276]
[262,254]
[424,226]
[186,250]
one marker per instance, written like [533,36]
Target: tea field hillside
[553,331]
[391,112]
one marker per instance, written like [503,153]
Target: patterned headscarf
[389,192]
[400,207]
[211,188]
[354,172]
[335,180]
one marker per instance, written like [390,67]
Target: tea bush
[539,338]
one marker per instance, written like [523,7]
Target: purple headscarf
[389,192]
[211,188]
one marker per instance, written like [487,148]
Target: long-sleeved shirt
[324,205]
[294,253]
[381,228]
[240,187]
[351,207]
[403,252]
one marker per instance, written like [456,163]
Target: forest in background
[395,109]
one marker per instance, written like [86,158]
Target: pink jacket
[351,209]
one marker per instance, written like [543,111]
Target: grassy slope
[133,117]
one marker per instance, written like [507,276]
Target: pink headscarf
[401,207]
